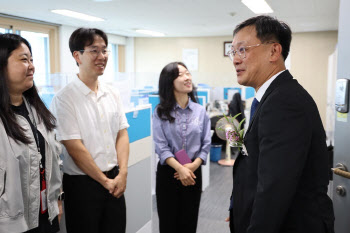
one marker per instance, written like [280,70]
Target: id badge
[43,194]
[43,201]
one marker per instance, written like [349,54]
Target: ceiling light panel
[78,15]
[148,32]
[258,6]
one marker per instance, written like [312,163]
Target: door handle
[341,170]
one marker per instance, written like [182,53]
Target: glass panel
[5,30]
[41,57]
[112,64]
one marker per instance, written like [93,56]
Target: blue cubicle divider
[201,100]
[135,99]
[139,99]
[47,98]
[140,126]
[249,92]
[205,94]
[154,100]
[226,89]
[46,94]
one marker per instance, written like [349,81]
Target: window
[5,29]
[43,38]
[112,67]
[40,50]
[41,55]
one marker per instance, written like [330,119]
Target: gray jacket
[20,177]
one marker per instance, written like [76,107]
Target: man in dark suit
[280,183]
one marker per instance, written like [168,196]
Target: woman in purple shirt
[181,129]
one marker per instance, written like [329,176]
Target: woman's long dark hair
[236,106]
[9,43]
[166,91]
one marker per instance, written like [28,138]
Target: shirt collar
[86,90]
[266,85]
[189,105]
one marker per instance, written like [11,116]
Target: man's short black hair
[84,37]
[269,29]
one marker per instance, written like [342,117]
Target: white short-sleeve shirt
[95,118]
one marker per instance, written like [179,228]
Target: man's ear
[76,56]
[276,52]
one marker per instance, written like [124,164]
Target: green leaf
[240,124]
[234,126]
[233,120]
[241,132]
[235,117]
[226,118]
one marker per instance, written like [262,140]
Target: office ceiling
[176,18]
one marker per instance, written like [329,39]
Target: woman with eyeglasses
[30,178]
[181,132]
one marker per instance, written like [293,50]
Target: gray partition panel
[138,196]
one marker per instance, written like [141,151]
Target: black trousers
[321,227]
[232,229]
[177,205]
[90,208]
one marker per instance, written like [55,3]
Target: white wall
[152,54]
[309,60]
[129,55]
[309,64]
[68,64]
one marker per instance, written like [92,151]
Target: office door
[341,181]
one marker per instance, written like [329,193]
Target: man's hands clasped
[116,186]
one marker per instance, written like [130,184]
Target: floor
[214,202]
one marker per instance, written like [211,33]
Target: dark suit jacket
[281,186]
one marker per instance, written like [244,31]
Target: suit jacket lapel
[284,76]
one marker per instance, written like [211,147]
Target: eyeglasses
[241,50]
[95,52]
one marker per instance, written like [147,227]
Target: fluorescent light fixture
[151,33]
[77,15]
[258,6]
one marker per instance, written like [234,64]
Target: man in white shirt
[92,126]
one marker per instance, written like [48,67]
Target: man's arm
[284,138]
[122,147]
[84,161]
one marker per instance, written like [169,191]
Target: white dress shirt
[95,118]
[266,85]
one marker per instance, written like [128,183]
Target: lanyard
[43,191]
[36,134]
